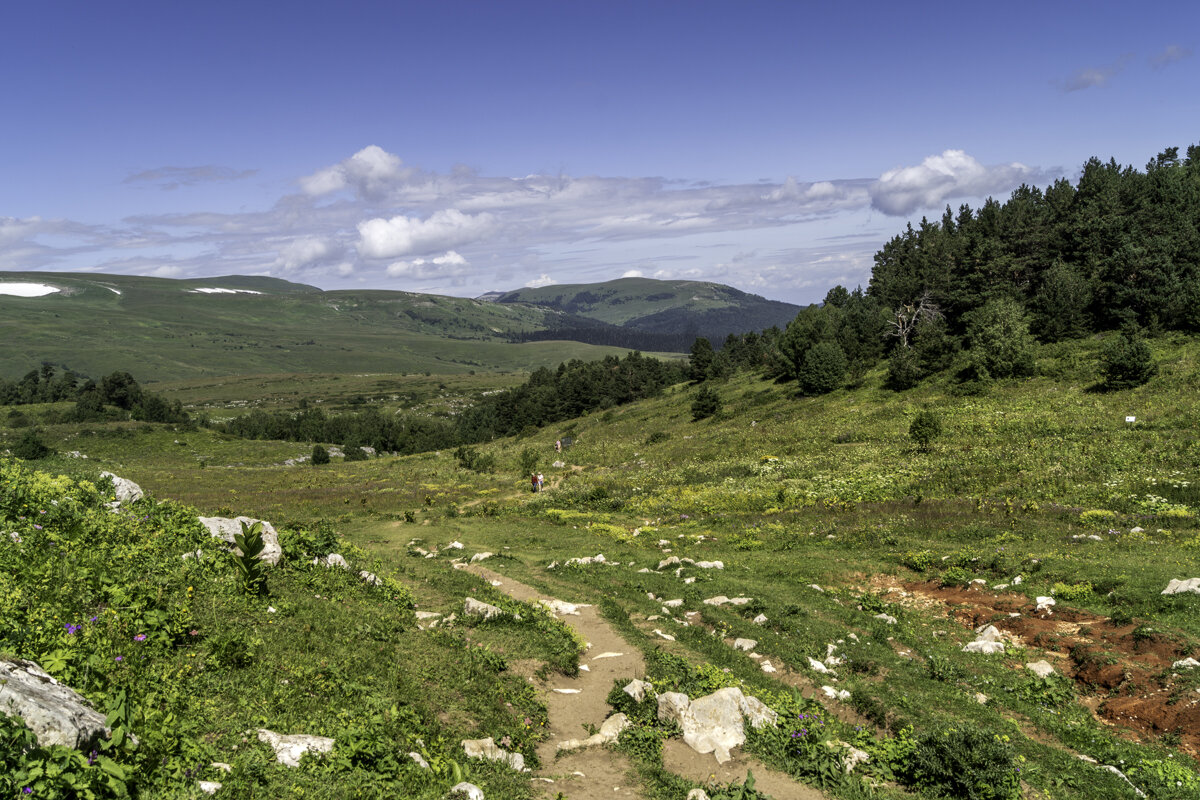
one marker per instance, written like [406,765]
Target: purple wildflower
[141,637]
[73,629]
[37,527]
[119,658]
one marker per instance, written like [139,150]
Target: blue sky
[459,147]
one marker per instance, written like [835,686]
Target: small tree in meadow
[1126,360]
[926,426]
[706,404]
[527,461]
[30,446]
[319,455]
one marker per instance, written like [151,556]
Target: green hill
[695,308]
[162,329]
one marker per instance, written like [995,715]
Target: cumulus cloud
[401,235]
[633,273]
[368,172]
[1169,55]
[304,251]
[451,264]
[540,281]
[168,178]
[952,174]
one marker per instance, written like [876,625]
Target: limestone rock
[1182,586]
[989,641]
[224,528]
[714,723]
[55,713]
[1187,663]
[1043,669]
[472,791]
[697,794]
[667,562]
[560,608]
[745,644]
[478,608]
[887,619]
[637,689]
[330,561]
[835,694]
[127,491]
[710,564]
[488,749]
[481,557]
[370,578]
[817,666]
[721,600]
[419,760]
[290,747]
[608,733]
[673,603]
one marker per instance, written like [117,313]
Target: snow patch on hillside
[224,291]
[26,289]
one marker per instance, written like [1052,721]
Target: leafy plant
[970,764]
[925,428]
[246,558]
[706,404]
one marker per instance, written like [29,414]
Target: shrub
[925,427]
[31,447]
[823,368]
[319,455]
[657,436]
[918,560]
[967,764]
[706,404]
[1001,346]
[1126,361]
[904,369]
[956,576]
[1072,591]
[355,454]
[527,461]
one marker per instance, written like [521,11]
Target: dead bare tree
[908,315]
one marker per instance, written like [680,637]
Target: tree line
[576,387]
[1119,250]
[113,397]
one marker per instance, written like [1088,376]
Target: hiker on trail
[533,480]
[541,482]
[558,445]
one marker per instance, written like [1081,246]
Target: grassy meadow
[822,510]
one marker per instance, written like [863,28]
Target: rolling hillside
[162,329]
[693,308]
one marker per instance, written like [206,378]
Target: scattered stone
[567,691]
[559,607]
[767,667]
[431,617]
[472,791]
[745,644]
[370,578]
[761,619]
[1123,777]
[814,586]
[817,666]
[478,608]
[989,641]
[887,618]
[666,636]
[481,557]
[1181,586]
[1017,581]
[289,748]
[981,698]
[697,794]
[673,603]
[710,565]
[596,559]
[714,723]
[607,655]
[419,760]
[1043,669]
[488,749]
[222,766]
[559,464]
[224,528]
[637,689]
[55,713]
[455,546]
[1044,604]
[668,562]
[721,600]
[609,731]
[330,561]
[126,490]
[689,580]
[1187,663]
[835,694]
[999,587]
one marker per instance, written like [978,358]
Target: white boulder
[472,791]
[608,733]
[330,561]
[289,748]
[1043,669]
[488,749]
[637,689]
[55,713]
[224,528]
[745,644]
[478,608]
[127,491]
[714,723]
[1176,586]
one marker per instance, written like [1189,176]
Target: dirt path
[594,772]
[599,772]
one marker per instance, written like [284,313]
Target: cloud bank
[370,220]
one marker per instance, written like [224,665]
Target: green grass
[787,492]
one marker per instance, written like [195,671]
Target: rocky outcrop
[989,641]
[1176,586]
[127,491]
[478,608]
[714,723]
[607,734]
[55,713]
[290,748]
[224,528]
[330,561]
[488,749]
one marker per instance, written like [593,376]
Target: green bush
[319,455]
[31,447]
[904,369]
[926,426]
[706,404]
[822,369]
[956,576]
[918,560]
[966,764]
[1126,361]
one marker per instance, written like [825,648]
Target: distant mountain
[163,329]
[679,310]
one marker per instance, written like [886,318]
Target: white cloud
[540,281]
[400,236]
[303,251]
[168,178]
[939,178]
[368,172]
[444,266]
[633,273]
[1090,77]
